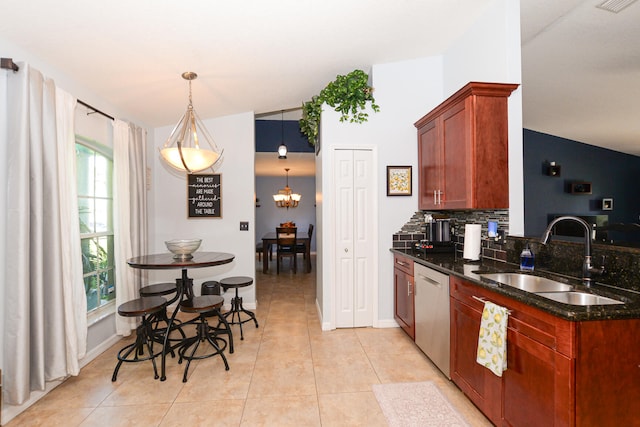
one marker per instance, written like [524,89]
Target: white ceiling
[581,72]
[580,64]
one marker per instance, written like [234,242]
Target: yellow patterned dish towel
[492,338]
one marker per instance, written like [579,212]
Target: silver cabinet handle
[408,288]
[346,250]
[435,198]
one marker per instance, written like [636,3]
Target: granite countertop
[453,265]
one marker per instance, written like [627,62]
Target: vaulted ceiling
[580,64]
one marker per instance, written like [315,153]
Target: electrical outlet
[244,225]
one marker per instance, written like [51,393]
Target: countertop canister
[472,242]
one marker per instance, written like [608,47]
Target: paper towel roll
[472,242]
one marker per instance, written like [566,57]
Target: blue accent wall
[269,136]
[612,174]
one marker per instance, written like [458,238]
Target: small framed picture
[607,204]
[398,180]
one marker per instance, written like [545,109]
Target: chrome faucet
[587,268]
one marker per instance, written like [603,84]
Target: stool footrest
[204,333]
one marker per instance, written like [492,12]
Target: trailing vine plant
[347,94]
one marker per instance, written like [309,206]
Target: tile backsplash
[622,264]
[413,230]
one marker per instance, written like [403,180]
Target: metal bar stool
[145,333]
[236,302]
[203,306]
[212,287]
[163,289]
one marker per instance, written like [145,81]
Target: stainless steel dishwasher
[432,321]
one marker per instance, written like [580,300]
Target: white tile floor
[286,372]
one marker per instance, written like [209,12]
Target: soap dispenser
[526,259]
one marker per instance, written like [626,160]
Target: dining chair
[300,247]
[286,246]
[259,247]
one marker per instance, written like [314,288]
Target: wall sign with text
[204,200]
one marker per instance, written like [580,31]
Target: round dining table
[166,261]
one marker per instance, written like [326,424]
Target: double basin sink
[548,288]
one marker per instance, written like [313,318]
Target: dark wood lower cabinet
[608,373]
[478,383]
[536,386]
[403,289]
[559,373]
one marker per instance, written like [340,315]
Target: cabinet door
[404,311]
[537,387]
[458,155]
[430,165]
[536,384]
[476,381]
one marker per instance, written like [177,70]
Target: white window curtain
[45,325]
[130,207]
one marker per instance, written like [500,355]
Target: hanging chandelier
[182,149]
[282,149]
[285,197]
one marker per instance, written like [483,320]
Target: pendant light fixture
[285,197]
[183,150]
[282,149]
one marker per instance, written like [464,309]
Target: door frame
[328,200]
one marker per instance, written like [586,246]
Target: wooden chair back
[286,237]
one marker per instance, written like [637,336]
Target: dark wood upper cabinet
[463,150]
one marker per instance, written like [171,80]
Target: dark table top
[165,261]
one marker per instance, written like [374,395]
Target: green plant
[347,94]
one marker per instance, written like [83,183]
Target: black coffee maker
[438,233]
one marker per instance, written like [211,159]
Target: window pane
[107,287]
[102,215]
[84,170]
[102,177]
[88,255]
[95,206]
[111,262]
[91,289]
[102,253]
[86,209]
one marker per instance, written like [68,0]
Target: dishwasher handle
[429,280]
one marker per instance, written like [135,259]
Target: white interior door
[355,249]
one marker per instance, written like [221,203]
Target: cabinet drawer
[403,264]
[544,328]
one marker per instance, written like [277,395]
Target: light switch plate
[244,225]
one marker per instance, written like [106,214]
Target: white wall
[405,91]
[168,205]
[490,52]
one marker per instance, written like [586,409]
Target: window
[95,202]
